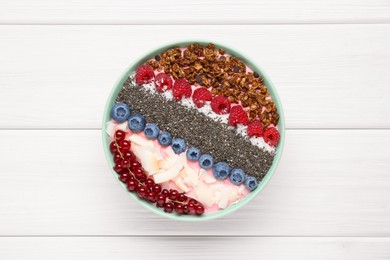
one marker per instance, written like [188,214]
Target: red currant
[191,208]
[182,197]
[156,188]
[132,185]
[129,155]
[124,176]
[126,163]
[149,183]
[151,196]
[141,176]
[117,158]
[141,191]
[178,208]
[161,199]
[185,209]
[168,207]
[119,135]
[118,168]
[173,194]
[135,165]
[124,145]
[165,192]
[193,201]
[199,210]
[113,147]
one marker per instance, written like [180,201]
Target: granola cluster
[223,74]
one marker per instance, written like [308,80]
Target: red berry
[156,188]
[119,135]
[173,194]
[165,192]
[238,115]
[168,207]
[141,176]
[191,208]
[178,208]
[271,136]
[129,155]
[255,128]
[199,210]
[182,197]
[124,145]
[117,158]
[135,165]
[144,75]
[163,82]
[149,183]
[185,209]
[193,201]
[161,199]
[181,88]
[124,176]
[141,191]
[126,163]
[200,96]
[220,105]
[132,185]
[151,196]
[113,147]
[118,168]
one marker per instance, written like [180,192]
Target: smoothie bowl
[193,131]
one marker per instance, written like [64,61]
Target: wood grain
[329,183]
[194,248]
[189,12]
[328,76]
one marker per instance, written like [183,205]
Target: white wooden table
[330,61]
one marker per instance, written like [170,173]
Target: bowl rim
[231,51]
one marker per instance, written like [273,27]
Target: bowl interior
[116,89]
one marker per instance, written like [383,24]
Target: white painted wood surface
[328,76]
[330,61]
[195,248]
[190,12]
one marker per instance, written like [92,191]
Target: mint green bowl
[272,90]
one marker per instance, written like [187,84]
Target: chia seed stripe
[198,130]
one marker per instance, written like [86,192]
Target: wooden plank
[329,183]
[189,12]
[194,247]
[328,76]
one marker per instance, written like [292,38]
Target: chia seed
[217,139]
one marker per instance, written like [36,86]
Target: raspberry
[220,105]
[271,136]
[255,128]
[238,115]
[181,88]
[200,96]
[163,82]
[144,75]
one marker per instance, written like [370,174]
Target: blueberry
[136,123]
[206,161]
[151,131]
[164,138]
[237,176]
[120,112]
[251,183]
[178,145]
[221,170]
[193,154]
